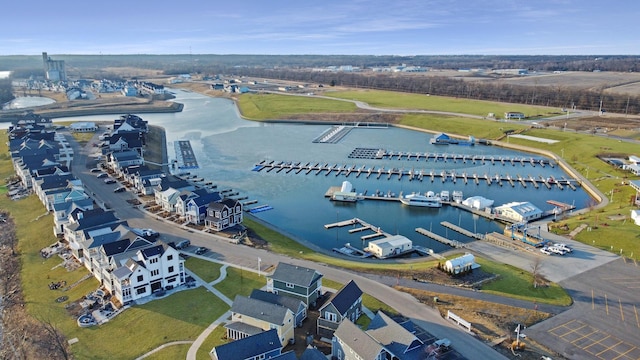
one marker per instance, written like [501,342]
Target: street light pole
[259,260]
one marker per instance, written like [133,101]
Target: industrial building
[53,69]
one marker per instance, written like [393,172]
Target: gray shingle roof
[289,302]
[363,344]
[258,309]
[392,335]
[296,275]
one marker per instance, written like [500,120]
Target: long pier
[412,174]
[441,239]
[462,231]
[378,154]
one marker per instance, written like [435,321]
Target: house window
[155,272]
[331,316]
[169,257]
[170,269]
[140,291]
[140,278]
[153,260]
[290,285]
[126,292]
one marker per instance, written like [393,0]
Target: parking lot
[595,342]
[604,322]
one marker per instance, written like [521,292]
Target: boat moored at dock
[427,200]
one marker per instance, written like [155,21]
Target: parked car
[109,181]
[102,175]
[201,250]
[556,250]
[545,251]
[120,189]
[183,244]
[95,170]
[563,247]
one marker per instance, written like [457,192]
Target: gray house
[296,281]
[297,306]
[383,339]
[344,304]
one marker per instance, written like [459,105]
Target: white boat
[429,200]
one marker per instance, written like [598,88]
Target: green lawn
[517,283]
[396,100]
[240,282]
[481,129]
[206,270]
[274,106]
[170,353]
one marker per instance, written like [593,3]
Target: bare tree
[538,278]
[54,339]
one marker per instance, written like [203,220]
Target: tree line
[6,92]
[563,97]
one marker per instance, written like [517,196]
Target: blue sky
[371,27]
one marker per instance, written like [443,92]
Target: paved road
[238,255]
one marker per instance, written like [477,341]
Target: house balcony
[327,324]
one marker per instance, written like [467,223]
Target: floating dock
[441,239]
[462,231]
[184,155]
[412,174]
[378,154]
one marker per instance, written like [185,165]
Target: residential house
[383,339]
[152,269]
[133,122]
[168,190]
[312,353]
[81,220]
[125,140]
[344,304]
[180,207]
[223,214]
[297,306]
[83,126]
[252,316]
[635,216]
[296,281]
[44,184]
[62,210]
[71,192]
[263,345]
[196,208]
[119,160]
[635,184]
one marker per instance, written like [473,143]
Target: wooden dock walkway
[441,239]
[462,231]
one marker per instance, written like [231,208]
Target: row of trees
[6,92]
[554,96]
[23,337]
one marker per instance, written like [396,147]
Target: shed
[461,263]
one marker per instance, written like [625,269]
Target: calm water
[228,147]
[27,101]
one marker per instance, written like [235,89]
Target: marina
[413,174]
[379,154]
[441,239]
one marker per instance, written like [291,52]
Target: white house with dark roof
[346,303]
[383,339]
[296,281]
[151,269]
[263,345]
[252,316]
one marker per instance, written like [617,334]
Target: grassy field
[272,106]
[395,100]
[206,270]
[516,283]
[481,129]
